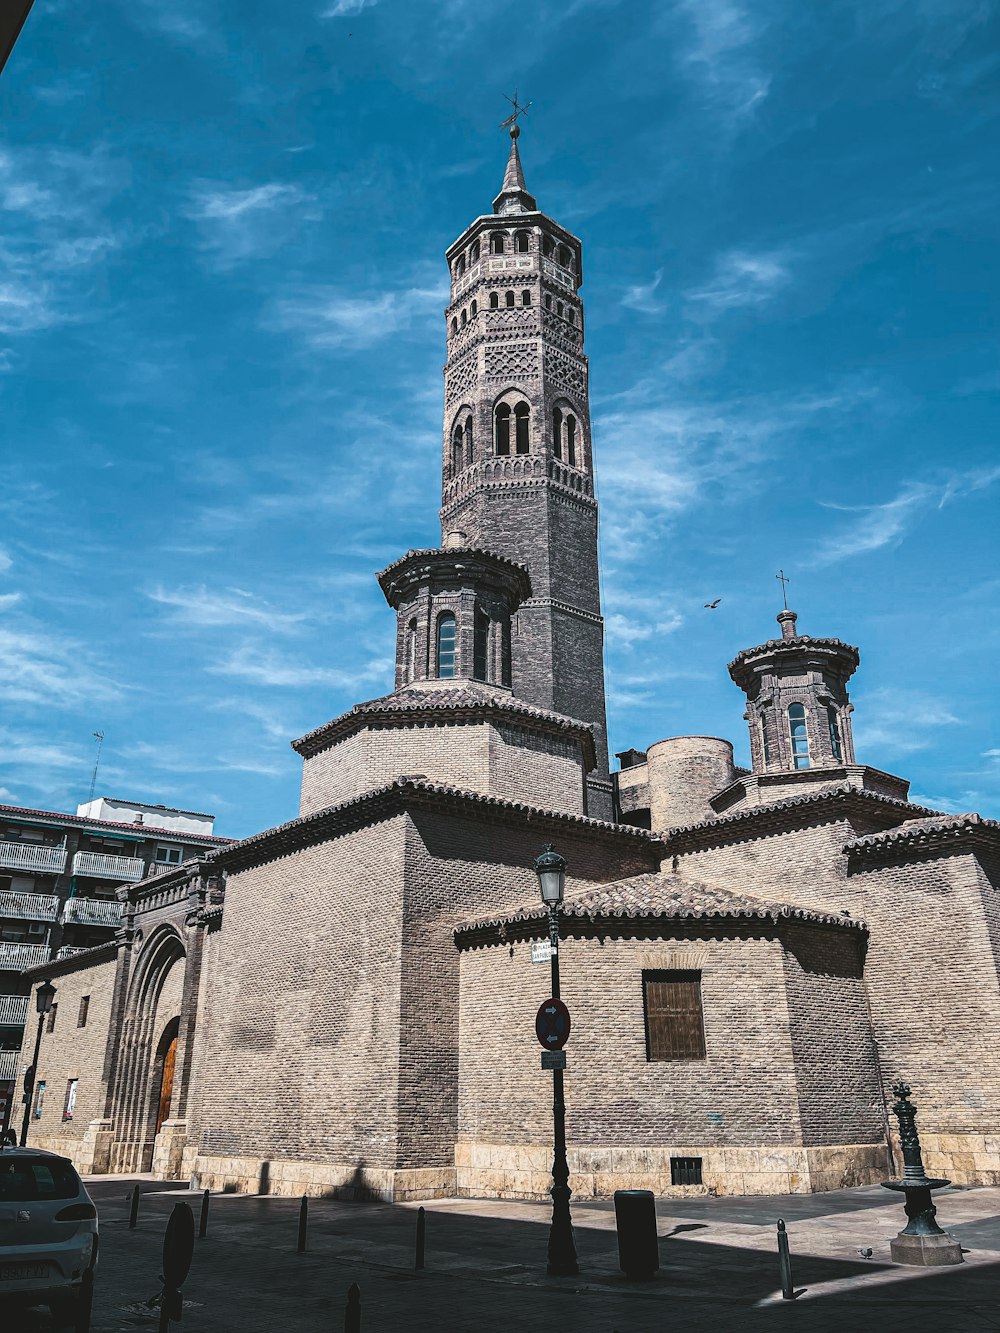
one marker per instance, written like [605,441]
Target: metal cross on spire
[520,109]
[780,576]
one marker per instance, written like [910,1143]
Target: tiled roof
[660,896]
[466,702]
[800,641]
[765,818]
[453,552]
[392,799]
[938,831]
[141,831]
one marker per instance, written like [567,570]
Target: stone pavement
[485,1267]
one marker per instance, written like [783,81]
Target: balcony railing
[68,950]
[14,957]
[125,869]
[13,1010]
[16,906]
[32,856]
[10,1063]
[92,912]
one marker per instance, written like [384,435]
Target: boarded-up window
[81,1020]
[675,1028]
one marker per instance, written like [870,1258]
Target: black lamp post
[44,996]
[551,871]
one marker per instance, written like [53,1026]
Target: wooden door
[166,1083]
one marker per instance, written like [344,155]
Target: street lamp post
[44,996]
[551,870]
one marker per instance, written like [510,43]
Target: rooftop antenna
[519,110]
[780,576]
[99,738]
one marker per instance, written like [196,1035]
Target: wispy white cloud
[231,606]
[742,279]
[167,759]
[41,668]
[241,224]
[328,318]
[264,667]
[5,560]
[899,721]
[717,50]
[345,8]
[642,296]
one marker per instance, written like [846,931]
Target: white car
[48,1232]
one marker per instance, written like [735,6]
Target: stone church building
[345,1003]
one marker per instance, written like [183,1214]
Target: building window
[509,299]
[521,242]
[169,856]
[501,433]
[51,1024]
[526,298]
[799,736]
[521,423]
[836,748]
[685,1171]
[39,1099]
[548,246]
[70,1104]
[559,308]
[81,1018]
[446,639]
[565,257]
[474,252]
[571,314]
[473,310]
[465,319]
[571,440]
[411,650]
[675,1026]
[548,301]
[505,673]
[765,744]
[454,326]
[494,300]
[557,432]
[498,243]
[481,645]
[457,450]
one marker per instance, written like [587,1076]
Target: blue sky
[221,339]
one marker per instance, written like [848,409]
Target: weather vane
[520,109]
[780,576]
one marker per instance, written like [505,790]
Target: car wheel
[64,1309]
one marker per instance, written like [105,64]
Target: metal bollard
[133,1212]
[178,1250]
[638,1247]
[303,1224]
[352,1315]
[785,1264]
[203,1220]
[86,1304]
[421,1233]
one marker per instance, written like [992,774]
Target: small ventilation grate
[685,1170]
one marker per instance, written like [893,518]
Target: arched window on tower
[446,643]
[411,650]
[521,242]
[498,243]
[457,450]
[467,432]
[481,645]
[548,301]
[494,300]
[765,743]
[557,417]
[473,309]
[571,314]
[548,246]
[571,440]
[521,423]
[565,256]
[526,298]
[559,309]
[473,252]
[509,299]
[459,266]
[798,735]
[454,326]
[465,319]
[501,428]
[836,748]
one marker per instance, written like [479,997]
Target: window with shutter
[675,1026]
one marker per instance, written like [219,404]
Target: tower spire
[514,196]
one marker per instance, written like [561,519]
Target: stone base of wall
[90,1154]
[326,1180]
[965,1159]
[522,1171]
[168,1150]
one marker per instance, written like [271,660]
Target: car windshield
[23,1179]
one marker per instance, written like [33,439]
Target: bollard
[303,1224]
[203,1220]
[133,1212]
[352,1315]
[421,1232]
[785,1264]
[178,1249]
[635,1218]
[85,1306]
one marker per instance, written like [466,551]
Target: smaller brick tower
[798,707]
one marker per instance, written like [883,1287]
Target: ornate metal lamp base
[925,1251]
[921,1242]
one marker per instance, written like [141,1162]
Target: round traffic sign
[552,1025]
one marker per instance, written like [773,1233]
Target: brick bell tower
[517,465]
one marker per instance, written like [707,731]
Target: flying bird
[710,606]
[866,1254]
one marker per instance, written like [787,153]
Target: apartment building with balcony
[59,881]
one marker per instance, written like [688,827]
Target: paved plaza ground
[486,1267]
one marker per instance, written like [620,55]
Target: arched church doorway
[166,1057]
